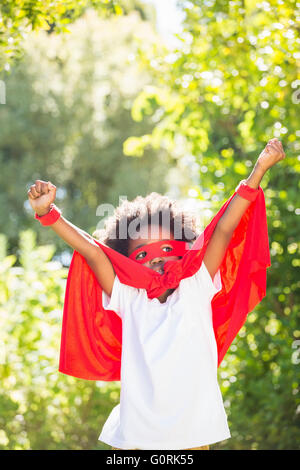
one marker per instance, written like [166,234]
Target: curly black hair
[154,206]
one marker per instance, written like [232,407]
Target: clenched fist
[272,153]
[41,195]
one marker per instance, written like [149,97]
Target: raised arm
[217,246]
[41,195]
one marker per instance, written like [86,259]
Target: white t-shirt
[170,397]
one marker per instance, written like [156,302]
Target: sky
[169,19]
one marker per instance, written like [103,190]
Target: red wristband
[246,191]
[52,216]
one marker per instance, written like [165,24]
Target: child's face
[157,263]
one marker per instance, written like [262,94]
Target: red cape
[91,340]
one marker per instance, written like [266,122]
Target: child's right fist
[41,195]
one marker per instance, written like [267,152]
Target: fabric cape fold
[91,338]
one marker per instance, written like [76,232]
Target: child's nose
[156,260]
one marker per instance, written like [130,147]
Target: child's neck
[163,297]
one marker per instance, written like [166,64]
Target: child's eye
[141,255]
[167,248]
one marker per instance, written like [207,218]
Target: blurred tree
[17,19]
[230,87]
[39,407]
[216,100]
[68,103]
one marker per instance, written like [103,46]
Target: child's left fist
[272,153]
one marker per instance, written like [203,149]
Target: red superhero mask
[91,339]
[156,250]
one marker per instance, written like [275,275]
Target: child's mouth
[159,270]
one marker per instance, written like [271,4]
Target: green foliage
[17,19]
[39,407]
[227,89]
[68,102]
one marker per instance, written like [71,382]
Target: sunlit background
[169,18]
[120,100]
